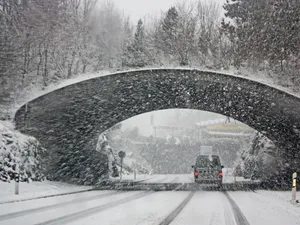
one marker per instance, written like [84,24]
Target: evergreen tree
[139,37]
[137,52]
[176,35]
[248,17]
[127,42]
[169,32]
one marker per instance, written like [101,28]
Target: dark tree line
[264,31]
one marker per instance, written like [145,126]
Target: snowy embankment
[22,154]
[19,154]
[37,190]
[285,196]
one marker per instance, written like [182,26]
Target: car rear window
[208,161]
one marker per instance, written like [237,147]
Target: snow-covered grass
[36,189]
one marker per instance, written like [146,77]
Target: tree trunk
[84,68]
[45,68]
[70,66]
[24,67]
[76,67]
[40,62]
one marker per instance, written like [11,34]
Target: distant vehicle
[208,169]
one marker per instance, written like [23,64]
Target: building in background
[205,130]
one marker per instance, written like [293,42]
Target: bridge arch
[71,118]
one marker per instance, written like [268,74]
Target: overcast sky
[137,9]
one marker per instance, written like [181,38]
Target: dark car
[208,169]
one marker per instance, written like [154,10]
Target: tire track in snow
[240,219]
[94,210]
[176,211]
[58,205]
[228,212]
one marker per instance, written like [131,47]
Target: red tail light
[196,174]
[220,174]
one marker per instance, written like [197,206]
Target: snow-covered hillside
[21,153]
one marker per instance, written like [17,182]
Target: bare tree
[208,17]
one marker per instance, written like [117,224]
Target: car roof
[208,156]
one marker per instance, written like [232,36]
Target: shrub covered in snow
[21,153]
[263,161]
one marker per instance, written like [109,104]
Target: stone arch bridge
[71,118]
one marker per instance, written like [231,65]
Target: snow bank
[285,196]
[36,190]
[21,153]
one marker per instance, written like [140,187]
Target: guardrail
[131,186]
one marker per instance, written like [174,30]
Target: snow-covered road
[155,208]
